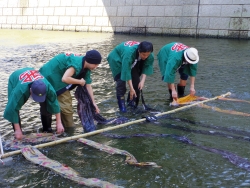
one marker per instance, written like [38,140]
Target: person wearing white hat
[175,57]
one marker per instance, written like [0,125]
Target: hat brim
[188,60]
[38,98]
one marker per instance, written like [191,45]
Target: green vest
[123,56]
[55,68]
[170,58]
[19,92]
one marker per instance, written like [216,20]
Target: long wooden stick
[191,105]
[111,128]
[1,145]
[226,111]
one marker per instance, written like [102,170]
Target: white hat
[191,55]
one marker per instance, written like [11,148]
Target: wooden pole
[1,145]
[191,105]
[111,128]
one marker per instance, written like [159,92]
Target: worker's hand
[174,95]
[82,82]
[132,94]
[141,85]
[192,91]
[96,108]
[59,128]
[18,134]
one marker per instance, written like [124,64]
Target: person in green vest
[130,62]
[175,57]
[22,84]
[64,72]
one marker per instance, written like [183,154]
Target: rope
[111,128]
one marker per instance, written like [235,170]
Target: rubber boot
[46,122]
[67,120]
[180,91]
[121,104]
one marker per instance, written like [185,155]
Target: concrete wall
[210,18]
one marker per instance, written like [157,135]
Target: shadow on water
[223,67]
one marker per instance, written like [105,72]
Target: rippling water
[224,67]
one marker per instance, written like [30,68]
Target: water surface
[224,67]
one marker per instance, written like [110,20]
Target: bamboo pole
[191,105]
[226,111]
[111,128]
[1,145]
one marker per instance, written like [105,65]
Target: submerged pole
[112,127]
[191,105]
[1,144]
[7,159]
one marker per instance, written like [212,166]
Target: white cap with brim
[191,55]
[38,91]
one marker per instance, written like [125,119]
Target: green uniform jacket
[123,56]
[55,68]
[19,93]
[170,58]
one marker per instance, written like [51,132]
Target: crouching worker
[175,57]
[131,62]
[64,72]
[24,83]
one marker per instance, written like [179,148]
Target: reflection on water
[223,67]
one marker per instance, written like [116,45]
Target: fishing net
[130,159]
[191,99]
[87,112]
[233,158]
[31,139]
[233,112]
[35,156]
[245,134]
[32,154]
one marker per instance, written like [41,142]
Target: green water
[224,67]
